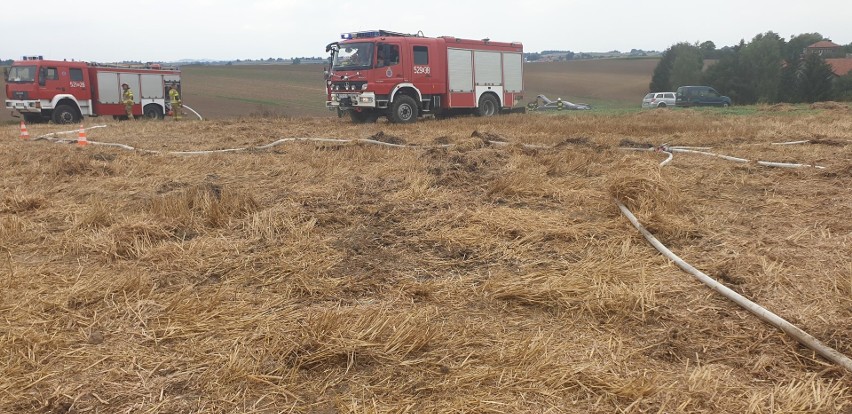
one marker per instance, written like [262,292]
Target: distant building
[827,49]
[834,55]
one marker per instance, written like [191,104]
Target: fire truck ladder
[377,33]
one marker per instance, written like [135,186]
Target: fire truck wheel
[363,117]
[152,111]
[404,110]
[487,105]
[64,114]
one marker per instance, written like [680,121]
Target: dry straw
[479,277]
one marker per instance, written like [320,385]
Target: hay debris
[473,278]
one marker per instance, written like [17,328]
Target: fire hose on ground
[798,334]
[196,113]
[669,150]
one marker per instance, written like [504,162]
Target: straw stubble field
[462,275]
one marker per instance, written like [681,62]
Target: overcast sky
[110,30]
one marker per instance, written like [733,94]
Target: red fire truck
[401,76]
[65,91]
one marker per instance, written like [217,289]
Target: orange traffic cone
[81,137]
[24,133]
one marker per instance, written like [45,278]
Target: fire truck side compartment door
[513,72]
[488,68]
[460,73]
[152,86]
[109,88]
[513,77]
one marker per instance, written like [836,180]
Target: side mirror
[5,73]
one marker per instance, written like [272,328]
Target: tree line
[767,69]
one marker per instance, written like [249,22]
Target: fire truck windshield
[354,56]
[21,74]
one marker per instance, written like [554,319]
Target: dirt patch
[487,136]
[779,107]
[831,105]
[388,139]
[629,143]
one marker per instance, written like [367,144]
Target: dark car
[700,96]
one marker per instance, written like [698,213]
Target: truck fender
[406,85]
[57,98]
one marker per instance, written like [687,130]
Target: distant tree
[762,61]
[532,57]
[796,46]
[843,88]
[814,79]
[296,61]
[680,65]
[687,67]
[787,86]
[708,50]
[730,77]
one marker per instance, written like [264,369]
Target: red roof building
[824,44]
[826,48]
[840,67]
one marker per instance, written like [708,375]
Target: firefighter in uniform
[176,103]
[127,100]
[559,105]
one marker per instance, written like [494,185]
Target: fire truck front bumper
[24,106]
[345,101]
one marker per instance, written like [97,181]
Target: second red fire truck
[65,92]
[401,76]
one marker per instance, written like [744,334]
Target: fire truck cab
[401,76]
[64,91]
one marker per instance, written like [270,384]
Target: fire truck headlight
[366,99]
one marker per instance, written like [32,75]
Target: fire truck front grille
[21,95]
[347,86]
